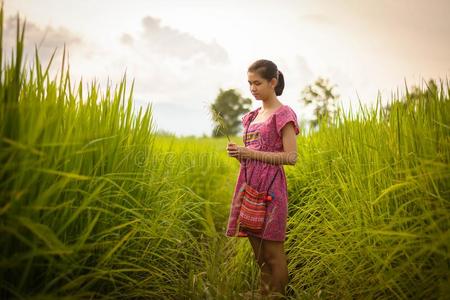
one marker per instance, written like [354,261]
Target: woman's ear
[273,82]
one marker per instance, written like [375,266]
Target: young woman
[269,143]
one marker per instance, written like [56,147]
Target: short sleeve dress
[264,136]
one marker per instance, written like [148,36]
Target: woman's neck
[271,103]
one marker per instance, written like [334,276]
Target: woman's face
[260,88]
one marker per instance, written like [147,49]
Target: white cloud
[167,41]
[46,39]
[170,65]
[126,39]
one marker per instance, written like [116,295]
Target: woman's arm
[287,157]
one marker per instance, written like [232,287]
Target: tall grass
[95,205]
[370,203]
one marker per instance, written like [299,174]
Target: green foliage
[95,205]
[417,94]
[321,95]
[369,209]
[226,111]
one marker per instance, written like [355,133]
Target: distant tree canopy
[230,106]
[320,94]
[413,95]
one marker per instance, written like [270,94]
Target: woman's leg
[257,246]
[275,257]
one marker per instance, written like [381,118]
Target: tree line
[229,105]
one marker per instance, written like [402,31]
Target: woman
[269,143]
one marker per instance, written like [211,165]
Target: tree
[412,97]
[229,106]
[320,94]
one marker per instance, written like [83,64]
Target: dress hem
[242,234]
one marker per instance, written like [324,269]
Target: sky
[181,53]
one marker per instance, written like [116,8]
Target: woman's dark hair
[268,70]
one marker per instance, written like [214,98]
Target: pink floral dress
[264,136]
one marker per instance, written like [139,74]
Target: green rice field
[95,204]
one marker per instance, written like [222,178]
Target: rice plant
[93,203]
[370,204]
[220,124]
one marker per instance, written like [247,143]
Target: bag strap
[273,179]
[245,144]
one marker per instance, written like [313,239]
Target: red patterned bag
[253,208]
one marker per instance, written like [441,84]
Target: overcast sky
[180,53]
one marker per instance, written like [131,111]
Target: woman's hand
[238,152]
